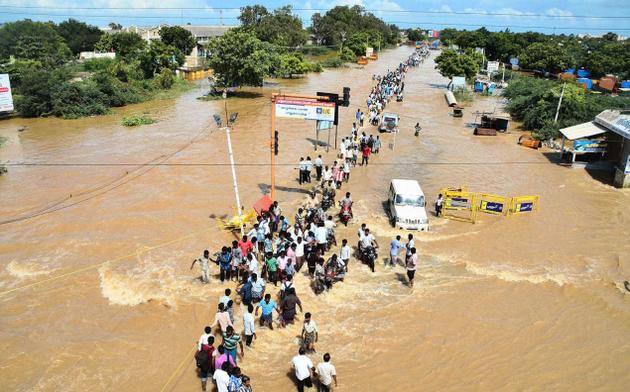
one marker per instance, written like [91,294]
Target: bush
[164,79]
[315,67]
[74,100]
[312,50]
[333,62]
[95,65]
[135,121]
[348,55]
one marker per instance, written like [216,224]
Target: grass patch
[179,87]
[135,121]
[464,96]
[333,62]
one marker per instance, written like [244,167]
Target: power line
[432,23]
[260,164]
[481,13]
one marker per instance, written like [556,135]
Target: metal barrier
[493,204]
[524,204]
[460,199]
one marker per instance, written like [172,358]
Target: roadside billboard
[305,109]
[493,66]
[585,145]
[6,99]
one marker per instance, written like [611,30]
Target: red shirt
[367,151]
[246,247]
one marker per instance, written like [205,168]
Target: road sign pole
[272,147]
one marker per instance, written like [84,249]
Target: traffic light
[275,143]
[346,96]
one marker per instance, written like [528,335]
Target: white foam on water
[148,281]
[27,269]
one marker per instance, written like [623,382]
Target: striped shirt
[230,342]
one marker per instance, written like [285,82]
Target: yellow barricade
[493,204]
[459,199]
[524,204]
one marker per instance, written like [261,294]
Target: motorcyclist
[346,202]
[368,241]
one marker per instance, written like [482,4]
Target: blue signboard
[585,145]
[491,206]
[525,207]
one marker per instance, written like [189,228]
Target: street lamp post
[231,121]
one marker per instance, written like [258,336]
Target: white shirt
[367,240]
[203,339]
[222,379]
[409,246]
[327,175]
[253,266]
[258,285]
[224,300]
[325,371]
[302,365]
[299,249]
[318,161]
[344,253]
[329,224]
[361,234]
[248,322]
[320,235]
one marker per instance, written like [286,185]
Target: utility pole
[555,120]
[230,121]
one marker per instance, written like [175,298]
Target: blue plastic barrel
[478,86]
[625,84]
[582,73]
[569,70]
[585,81]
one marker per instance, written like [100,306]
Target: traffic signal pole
[273,146]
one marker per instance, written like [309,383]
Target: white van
[407,205]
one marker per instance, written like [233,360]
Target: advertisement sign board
[6,99]
[493,66]
[585,145]
[492,207]
[305,109]
[369,51]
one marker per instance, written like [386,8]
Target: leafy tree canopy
[28,40]
[158,56]
[450,63]
[127,45]
[280,27]
[79,36]
[549,57]
[239,58]
[416,35]
[178,37]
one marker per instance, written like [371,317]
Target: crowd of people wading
[264,261]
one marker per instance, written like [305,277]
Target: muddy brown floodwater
[522,303]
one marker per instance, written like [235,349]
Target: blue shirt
[224,260]
[267,308]
[394,247]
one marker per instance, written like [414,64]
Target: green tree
[252,15]
[472,39]
[239,58]
[178,37]
[450,63]
[158,56]
[28,40]
[37,91]
[341,21]
[115,26]
[292,64]
[18,69]
[79,36]
[548,57]
[105,43]
[281,27]
[416,35]
[127,45]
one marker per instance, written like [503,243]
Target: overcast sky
[566,16]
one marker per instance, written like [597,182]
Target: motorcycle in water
[368,256]
[345,214]
[318,284]
[328,199]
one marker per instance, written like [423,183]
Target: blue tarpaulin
[587,82]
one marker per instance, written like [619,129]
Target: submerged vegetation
[134,121]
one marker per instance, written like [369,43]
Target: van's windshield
[409,200]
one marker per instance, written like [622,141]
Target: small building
[603,144]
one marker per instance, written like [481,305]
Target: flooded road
[522,303]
